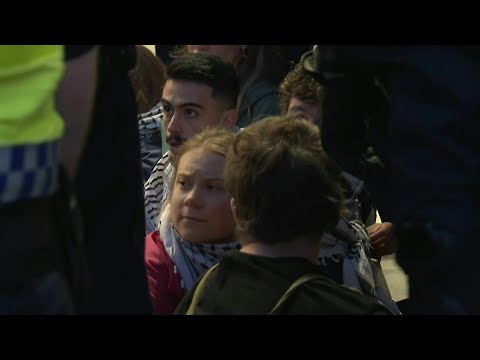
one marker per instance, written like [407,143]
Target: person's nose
[194,197]
[200,48]
[174,125]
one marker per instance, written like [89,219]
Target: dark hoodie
[260,100]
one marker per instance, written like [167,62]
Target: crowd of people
[237,179]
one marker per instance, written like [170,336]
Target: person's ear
[240,222]
[234,209]
[229,118]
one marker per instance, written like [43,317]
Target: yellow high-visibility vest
[29,77]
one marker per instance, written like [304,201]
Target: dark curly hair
[302,85]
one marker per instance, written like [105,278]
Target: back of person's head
[209,70]
[283,184]
[302,85]
[213,139]
[148,78]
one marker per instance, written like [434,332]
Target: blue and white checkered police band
[28,171]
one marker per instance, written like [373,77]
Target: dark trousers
[48,294]
[39,259]
[109,187]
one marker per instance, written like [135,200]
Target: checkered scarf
[156,191]
[191,260]
[152,119]
[349,242]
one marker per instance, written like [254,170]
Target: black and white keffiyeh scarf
[157,190]
[349,244]
[191,260]
[152,119]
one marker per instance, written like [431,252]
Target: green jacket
[244,284]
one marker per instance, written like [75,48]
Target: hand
[382,239]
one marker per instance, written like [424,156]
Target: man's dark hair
[210,70]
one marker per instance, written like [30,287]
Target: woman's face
[200,206]
[230,53]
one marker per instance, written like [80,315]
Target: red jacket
[164,284]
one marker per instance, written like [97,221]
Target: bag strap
[199,291]
[201,286]
[300,281]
